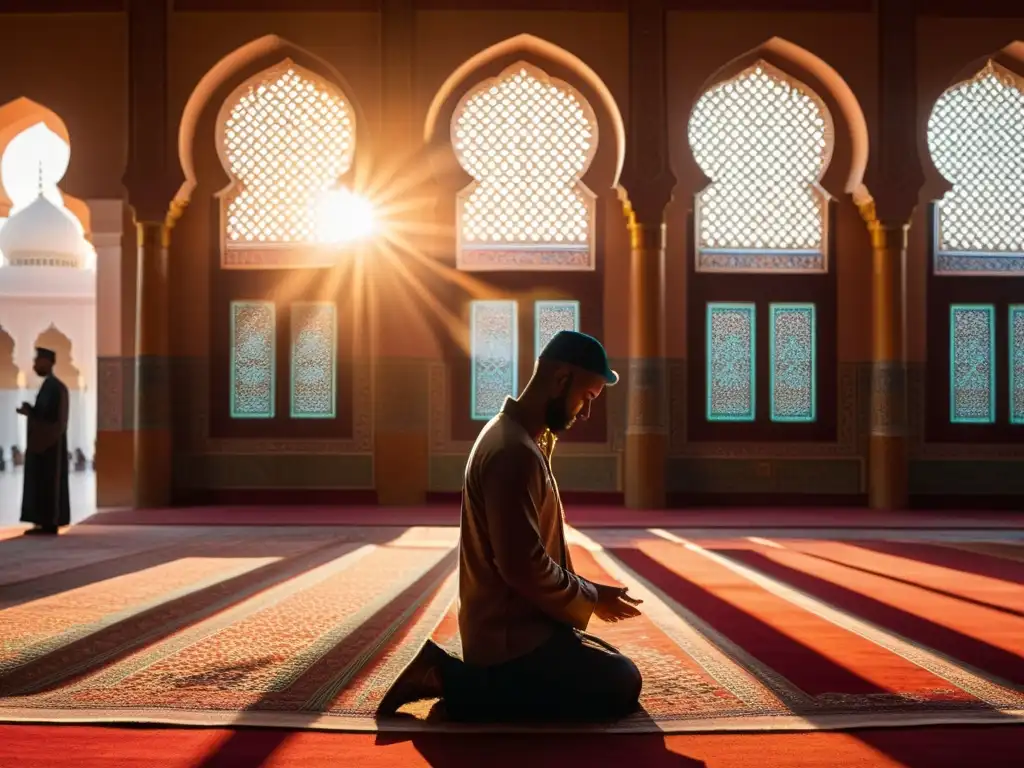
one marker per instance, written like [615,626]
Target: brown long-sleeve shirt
[516,582]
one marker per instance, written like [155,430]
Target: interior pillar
[888,466]
[152,448]
[646,419]
[402,343]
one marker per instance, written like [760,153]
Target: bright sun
[344,217]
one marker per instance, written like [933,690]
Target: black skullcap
[46,354]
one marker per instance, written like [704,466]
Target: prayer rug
[307,628]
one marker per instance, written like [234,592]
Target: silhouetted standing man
[46,502]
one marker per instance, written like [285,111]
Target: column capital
[895,174]
[886,233]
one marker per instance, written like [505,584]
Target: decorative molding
[200,441]
[540,259]
[300,472]
[153,377]
[115,394]
[647,398]
[888,398]
[980,264]
[922,450]
[757,262]
[283,257]
[852,423]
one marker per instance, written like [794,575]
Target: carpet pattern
[307,627]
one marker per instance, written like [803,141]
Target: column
[895,179]
[152,178]
[152,453]
[646,414]
[887,454]
[403,341]
[112,384]
[647,183]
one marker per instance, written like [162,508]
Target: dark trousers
[572,676]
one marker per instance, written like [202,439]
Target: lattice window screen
[253,359]
[550,317]
[976,140]
[765,142]
[285,137]
[793,346]
[731,361]
[972,364]
[314,360]
[494,352]
[1016,366]
[526,140]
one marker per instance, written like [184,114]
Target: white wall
[25,319]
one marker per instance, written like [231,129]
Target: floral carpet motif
[307,627]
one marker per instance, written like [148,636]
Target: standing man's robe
[46,500]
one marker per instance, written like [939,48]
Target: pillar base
[645,470]
[115,468]
[152,468]
[401,468]
[887,472]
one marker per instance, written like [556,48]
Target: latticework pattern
[550,317]
[286,139]
[1017,364]
[972,364]
[731,366]
[253,329]
[976,140]
[765,143]
[314,360]
[494,349]
[526,141]
[793,353]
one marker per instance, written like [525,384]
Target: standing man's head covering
[582,351]
[46,354]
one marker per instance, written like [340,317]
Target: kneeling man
[522,608]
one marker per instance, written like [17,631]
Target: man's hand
[24,409]
[613,604]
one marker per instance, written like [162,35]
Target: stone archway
[65,370]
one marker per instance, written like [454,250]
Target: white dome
[43,235]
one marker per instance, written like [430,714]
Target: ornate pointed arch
[848,170]
[236,68]
[973,147]
[537,51]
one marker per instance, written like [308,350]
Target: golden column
[151,179]
[153,447]
[888,466]
[646,413]
[646,186]
[401,452]
[895,180]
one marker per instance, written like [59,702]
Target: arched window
[526,139]
[976,285]
[976,140]
[764,140]
[286,138]
[761,289]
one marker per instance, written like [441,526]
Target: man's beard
[556,414]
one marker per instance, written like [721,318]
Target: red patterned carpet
[305,628]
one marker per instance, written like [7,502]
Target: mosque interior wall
[417,391]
